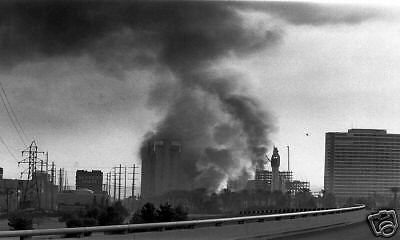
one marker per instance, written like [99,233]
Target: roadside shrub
[19,221]
[65,216]
[72,223]
[89,222]
[165,213]
[96,215]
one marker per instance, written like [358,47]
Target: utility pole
[109,184]
[52,173]
[52,177]
[133,180]
[45,181]
[119,183]
[106,185]
[288,166]
[125,184]
[54,180]
[115,182]
[47,163]
[65,180]
[60,181]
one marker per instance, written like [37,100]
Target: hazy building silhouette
[160,165]
[266,175]
[297,186]
[275,163]
[263,180]
[91,180]
[361,163]
[276,180]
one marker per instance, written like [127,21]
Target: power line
[8,149]
[11,118]
[12,111]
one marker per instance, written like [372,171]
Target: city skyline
[324,68]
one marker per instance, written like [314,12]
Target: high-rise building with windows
[361,163]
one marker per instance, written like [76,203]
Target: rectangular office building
[91,180]
[361,163]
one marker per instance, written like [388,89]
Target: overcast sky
[82,90]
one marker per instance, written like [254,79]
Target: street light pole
[288,166]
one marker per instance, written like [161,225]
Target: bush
[180,213]
[165,213]
[72,223]
[76,222]
[110,217]
[148,213]
[113,215]
[136,218]
[65,216]
[89,222]
[96,215]
[19,221]
[121,210]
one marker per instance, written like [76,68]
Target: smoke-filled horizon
[175,48]
[223,130]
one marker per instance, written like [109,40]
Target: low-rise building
[89,180]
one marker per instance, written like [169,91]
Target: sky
[87,82]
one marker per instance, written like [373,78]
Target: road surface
[358,231]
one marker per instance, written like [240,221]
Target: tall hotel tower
[361,163]
[160,166]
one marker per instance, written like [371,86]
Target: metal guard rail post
[162,225]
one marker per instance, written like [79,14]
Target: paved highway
[358,231]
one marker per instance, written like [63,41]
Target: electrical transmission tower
[31,190]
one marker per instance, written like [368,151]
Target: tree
[110,217]
[73,223]
[121,210]
[165,213]
[180,213]
[148,213]
[304,199]
[328,200]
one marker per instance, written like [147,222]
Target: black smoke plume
[223,130]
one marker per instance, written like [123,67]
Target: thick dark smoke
[224,131]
